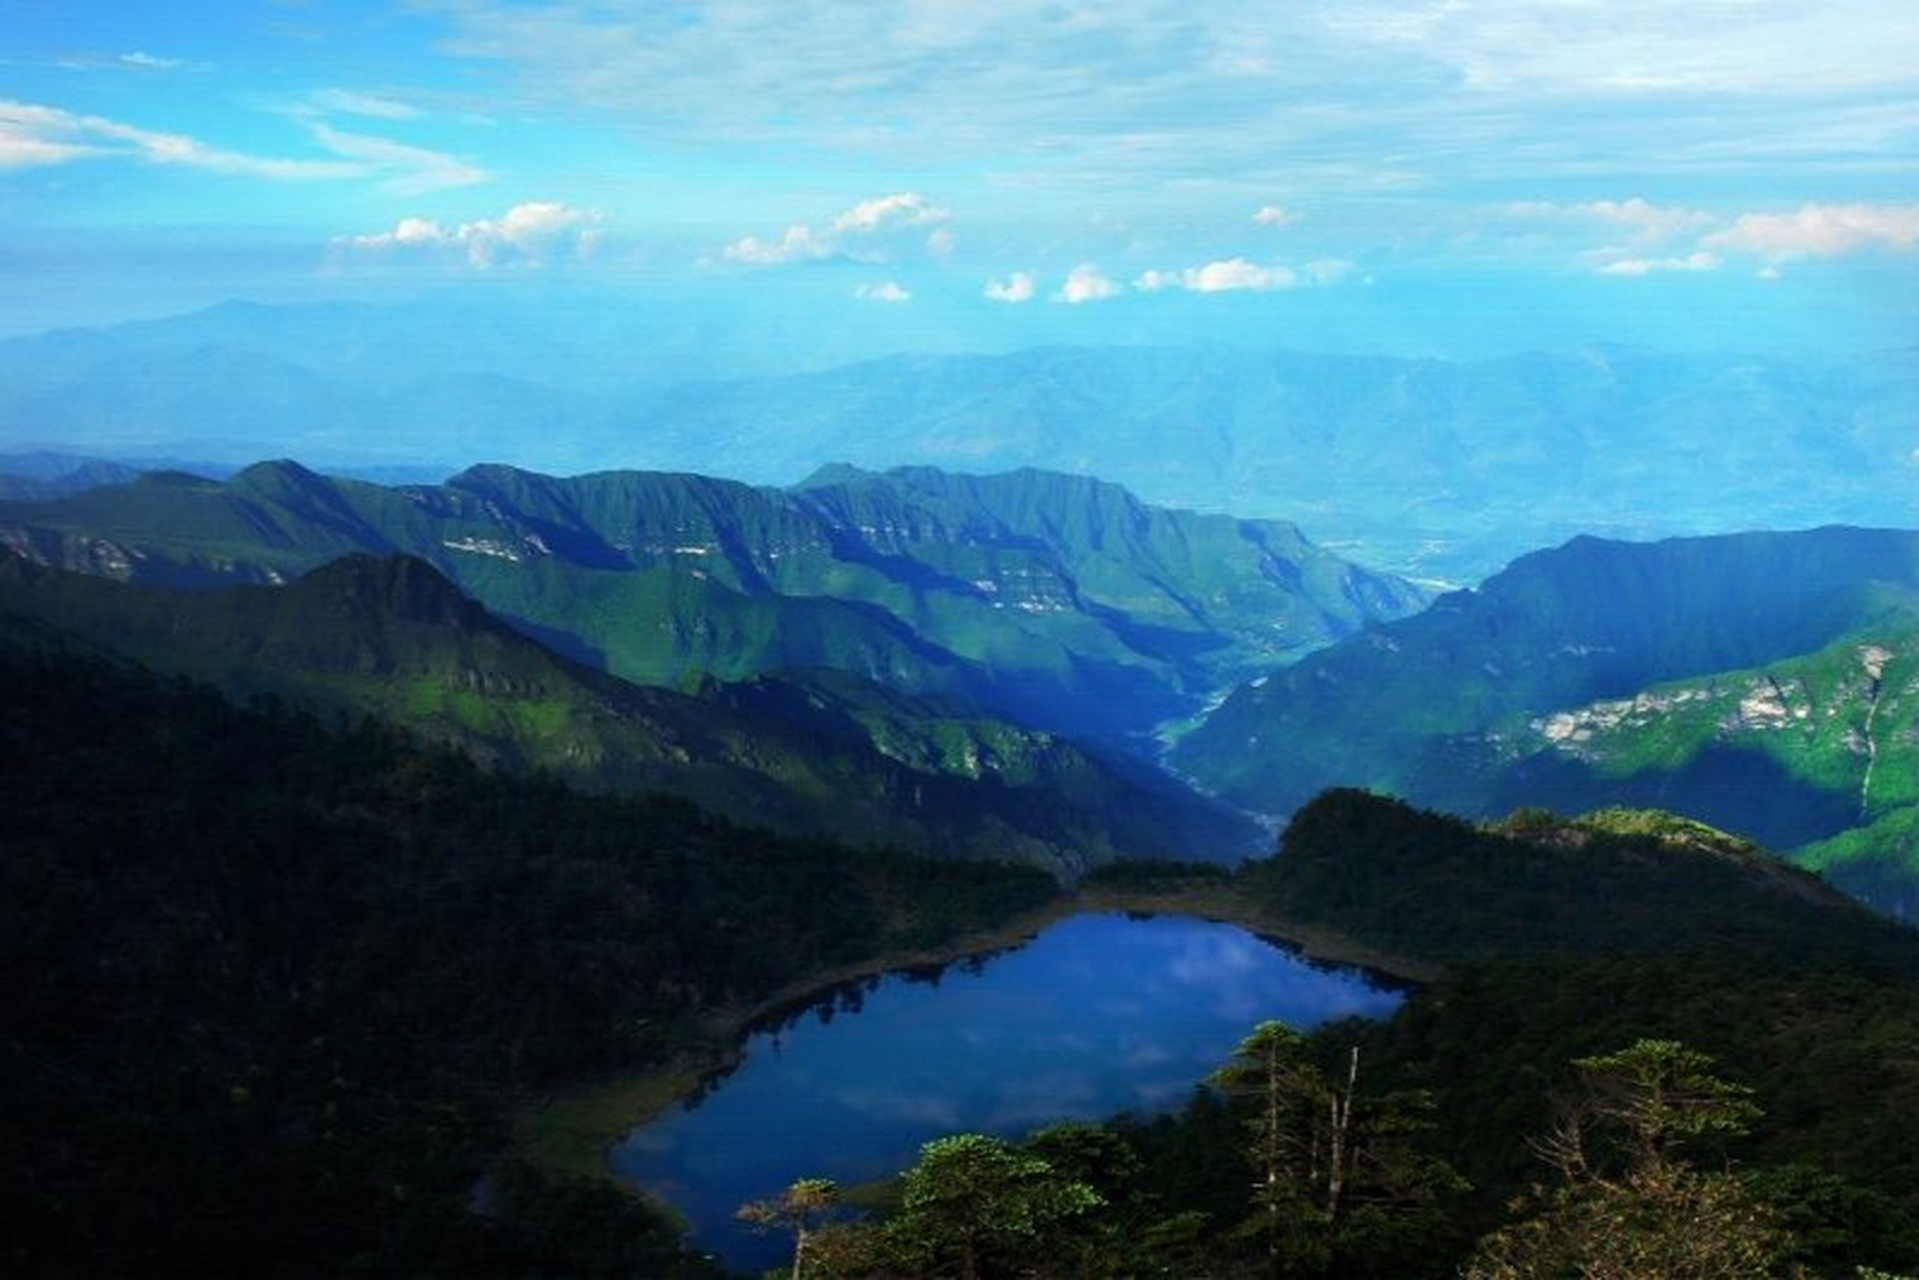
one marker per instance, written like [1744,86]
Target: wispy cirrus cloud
[528,235]
[32,135]
[355,102]
[1314,93]
[409,170]
[1699,260]
[1635,216]
[131,60]
[154,62]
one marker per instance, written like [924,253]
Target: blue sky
[1404,174]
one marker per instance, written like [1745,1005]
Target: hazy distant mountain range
[1437,467]
[1425,466]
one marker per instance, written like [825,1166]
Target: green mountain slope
[1406,706]
[1876,862]
[1817,755]
[1436,887]
[391,638]
[272,993]
[1045,599]
[1569,937]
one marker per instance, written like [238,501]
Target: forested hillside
[1654,1051]
[269,991]
[813,752]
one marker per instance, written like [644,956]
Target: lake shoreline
[574,1131]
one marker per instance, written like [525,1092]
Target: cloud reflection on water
[1099,1014]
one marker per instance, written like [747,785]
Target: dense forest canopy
[272,989]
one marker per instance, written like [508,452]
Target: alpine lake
[1095,1015]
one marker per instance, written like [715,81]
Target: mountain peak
[401,586]
[278,473]
[834,473]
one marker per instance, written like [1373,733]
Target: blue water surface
[1096,1015]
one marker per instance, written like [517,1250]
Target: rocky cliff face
[1826,715]
[1816,755]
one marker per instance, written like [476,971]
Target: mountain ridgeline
[1440,467]
[817,752]
[42,474]
[1444,468]
[1760,682]
[1052,601]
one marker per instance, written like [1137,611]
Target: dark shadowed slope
[393,639]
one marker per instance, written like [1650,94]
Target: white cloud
[150,62]
[885,291]
[1129,96]
[1644,221]
[1085,283]
[1324,271]
[1017,287]
[1698,261]
[352,102]
[32,134]
[1821,231]
[409,232]
[1220,277]
[1635,47]
[411,170]
[1273,215]
[1813,230]
[902,209]
[134,59]
[22,150]
[797,243]
[864,232]
[527,235]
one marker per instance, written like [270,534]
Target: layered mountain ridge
[1441,468]
[1759,682]
[1049,600]
[812,752]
